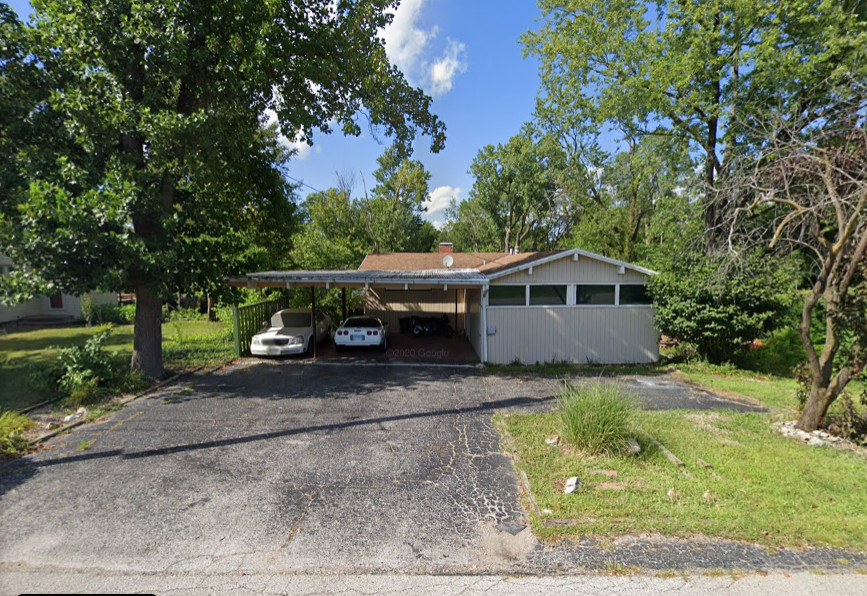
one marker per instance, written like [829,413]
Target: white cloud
[440,197]
[408,47]
[404,40]
[444,70]
[302,149]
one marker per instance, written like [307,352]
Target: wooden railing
[247,321]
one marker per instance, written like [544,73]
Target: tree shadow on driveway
[481,408]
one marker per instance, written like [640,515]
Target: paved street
[280,468]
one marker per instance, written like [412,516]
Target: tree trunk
[819,400]
[147,347]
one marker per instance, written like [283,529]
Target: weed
[12,427]
[87,393]
[84,445]
[597,417]
[43,378]
[87,365]
[621,570]
[185,314]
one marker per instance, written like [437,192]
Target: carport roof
[360,278]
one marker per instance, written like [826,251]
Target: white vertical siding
[605,335]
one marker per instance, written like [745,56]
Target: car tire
[309,350]
[338,347]
[384,345]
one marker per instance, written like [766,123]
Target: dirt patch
[608,473]
[706,420]
[611,486]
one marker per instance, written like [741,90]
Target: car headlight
[256,341]
[296,341]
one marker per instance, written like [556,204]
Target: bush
[104,314]
[186,314]
[699,302]
[88,393]
[12,426]
[43,378]
[597,417]
[87,367]
[777,355]
[850,423]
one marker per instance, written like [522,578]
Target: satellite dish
[448,260]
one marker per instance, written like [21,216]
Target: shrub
[88,393]
[597,417]
[778,355]
[43,378]
[87,365]
[718,308]
[851,423]
[104,314]
[186,314]
[12,426]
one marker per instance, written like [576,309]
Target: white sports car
[290,332]
[362,332]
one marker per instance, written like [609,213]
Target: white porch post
[484,298]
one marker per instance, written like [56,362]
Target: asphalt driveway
[289,467]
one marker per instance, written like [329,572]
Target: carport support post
[343,302]
[236,330]
[313,315]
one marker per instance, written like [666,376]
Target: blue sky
[466,55]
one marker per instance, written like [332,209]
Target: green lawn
[762,487]
[186,345]
[778,394]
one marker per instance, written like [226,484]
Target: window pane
[634,294]
[547,294]
[594,295]
[507,295]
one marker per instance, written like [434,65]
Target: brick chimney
[447,247]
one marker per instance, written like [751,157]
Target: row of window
[564,295]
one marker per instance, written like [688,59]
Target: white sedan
[362,332]
[290,332]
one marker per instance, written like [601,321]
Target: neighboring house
[568,305]
[58,307]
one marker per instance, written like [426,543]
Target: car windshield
[361,322]
[295,319]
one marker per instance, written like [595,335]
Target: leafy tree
[145,149]
[629,200]
[705,302]
[518,193]
[392,215]
[689,70]
[469,227]
[331,236]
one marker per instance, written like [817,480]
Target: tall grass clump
[597,417]
[12,427]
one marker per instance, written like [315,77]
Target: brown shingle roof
[486,262]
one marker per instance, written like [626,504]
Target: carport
[461,282]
